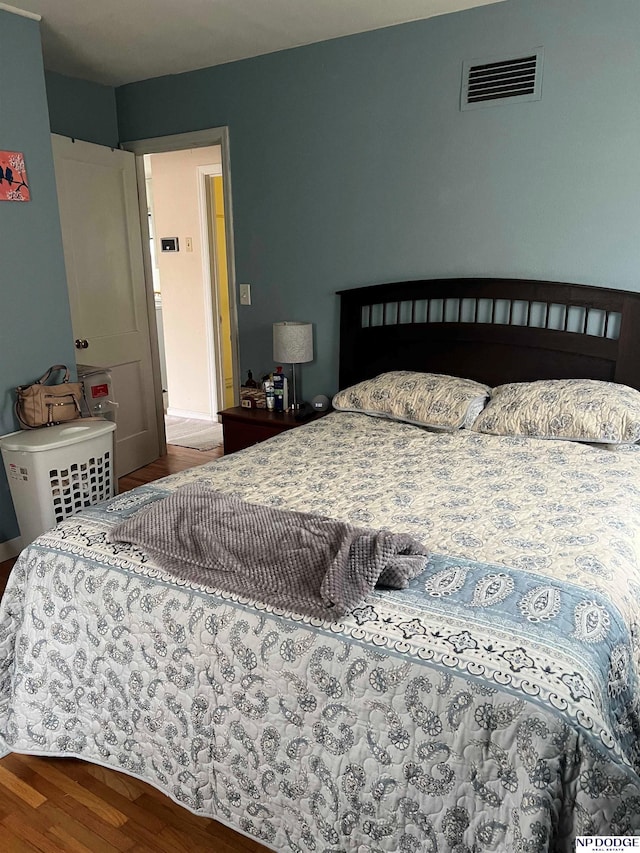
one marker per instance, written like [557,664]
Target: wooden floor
[63,805]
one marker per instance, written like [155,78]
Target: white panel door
[97,195]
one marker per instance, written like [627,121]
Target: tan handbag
[41,405]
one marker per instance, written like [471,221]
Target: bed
[492,705]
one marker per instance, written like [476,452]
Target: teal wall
[82,110]
[35,326]
[352,164]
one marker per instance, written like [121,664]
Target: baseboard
[196,416]
[10,549]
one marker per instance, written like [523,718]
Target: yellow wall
[223,290]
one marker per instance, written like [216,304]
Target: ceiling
[120,41]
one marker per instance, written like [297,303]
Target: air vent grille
[501,81]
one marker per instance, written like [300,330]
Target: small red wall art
[13,177]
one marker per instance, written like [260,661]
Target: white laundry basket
[57,471]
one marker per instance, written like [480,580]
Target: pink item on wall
[13,177]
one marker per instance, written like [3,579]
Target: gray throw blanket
[302,562]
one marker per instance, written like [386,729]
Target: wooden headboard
[491,330]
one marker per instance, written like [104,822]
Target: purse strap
[51,370]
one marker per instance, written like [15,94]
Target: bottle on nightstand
[269,392]
[251,382]
[280,391]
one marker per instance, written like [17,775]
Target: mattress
[492,705]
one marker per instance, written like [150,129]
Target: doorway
[186,213]
[188,256]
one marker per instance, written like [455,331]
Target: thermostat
[169,244]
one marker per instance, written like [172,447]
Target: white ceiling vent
[488,82]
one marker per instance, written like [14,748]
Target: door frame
[160,145]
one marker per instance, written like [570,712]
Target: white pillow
[432,400]
[571,409]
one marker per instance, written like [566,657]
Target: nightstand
[243,427]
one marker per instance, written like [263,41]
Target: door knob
[82,343]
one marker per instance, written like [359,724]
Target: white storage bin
[98,392]
[57,471]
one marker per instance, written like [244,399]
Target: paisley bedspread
[493,705]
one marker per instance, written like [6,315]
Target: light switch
[245,294]
[188,244]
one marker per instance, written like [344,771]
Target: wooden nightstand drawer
[238,435]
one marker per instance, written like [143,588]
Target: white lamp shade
[292,342]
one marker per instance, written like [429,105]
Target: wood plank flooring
[63,805]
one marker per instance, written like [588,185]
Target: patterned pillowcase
[430,400]
[571,409]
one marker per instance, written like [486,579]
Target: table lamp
[293,344]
